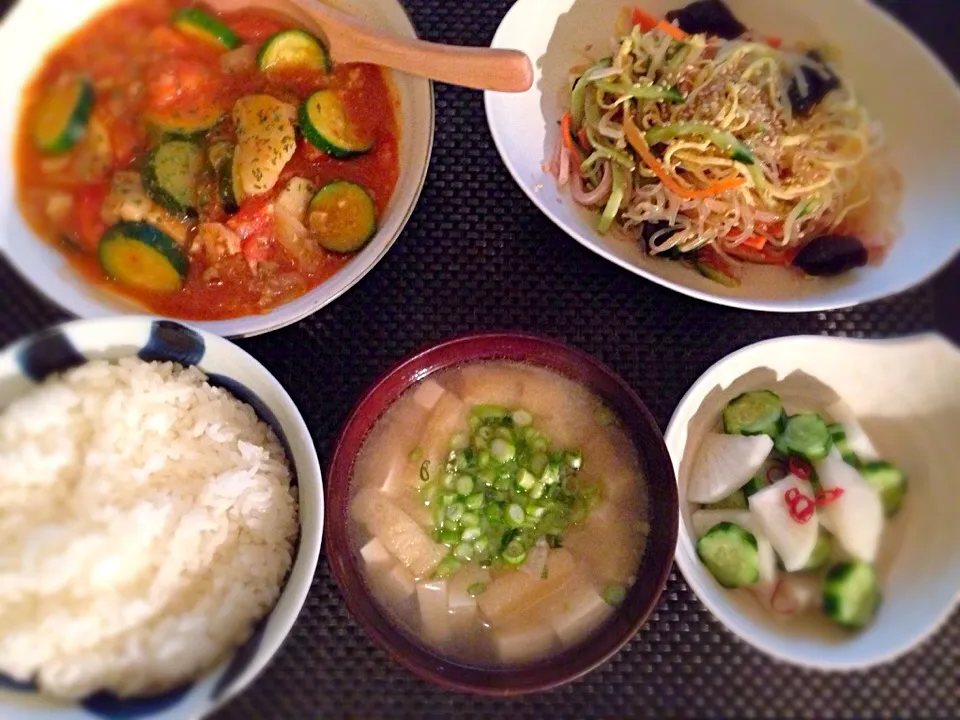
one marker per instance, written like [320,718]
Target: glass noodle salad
[711,144]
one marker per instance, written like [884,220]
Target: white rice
[146,522]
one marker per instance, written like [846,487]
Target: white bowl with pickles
[817,485]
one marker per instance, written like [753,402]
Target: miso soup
[499,512]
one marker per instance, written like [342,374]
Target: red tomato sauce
[141,66]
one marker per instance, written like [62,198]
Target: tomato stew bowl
[33,27]
[655,563]
[71,344]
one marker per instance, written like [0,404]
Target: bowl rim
[122,306]
[809,303]
[693,571]
[541,675]
[309,542]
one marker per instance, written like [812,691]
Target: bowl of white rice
[161,511]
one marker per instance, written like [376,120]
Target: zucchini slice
[221,158]
[821,552]
[171,174]
[850,594]
[186,124]
[62,115]
[324,123]
[758,412]
[203,26]
[138,254]
[343,216]
[730,554]
[293,49]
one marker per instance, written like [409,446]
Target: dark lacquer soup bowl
[572,659]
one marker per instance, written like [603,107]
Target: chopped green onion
[515,515]
[474,502]
[446,567]
[521,418]
[481,545]
[489,412]
[604,416]
[502,450]
[454,511]
[464,485]
[464,551]
[574,459]
[469,520]
[476,589]
[415,455]
[551,473]
[614,594]
[471,533]
[449,537]
[514,553]
[460,441]
[525,479]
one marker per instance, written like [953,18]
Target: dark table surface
[477,255]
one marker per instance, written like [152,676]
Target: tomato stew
[186,160]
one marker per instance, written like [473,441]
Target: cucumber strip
[758,412]
[203,26]
[839,437]
[324,123]
[138,254]
[62,115]
[185,123]
[821,552]
[730,554]
[850,594]
[343,216]
[171,174]
[714,273]
[805,435]
[293,49]
[734,501]
[889,482]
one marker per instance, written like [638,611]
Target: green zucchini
[850,594]
[343,216]
[293,49]
[805,435]
[171,174]
[203,26]
[758,412]
[889,482]
[730,554]
[62,115]
[138,254]
[221,159]
[185,124]
[324,123]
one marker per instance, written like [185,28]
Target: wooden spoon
[350,40]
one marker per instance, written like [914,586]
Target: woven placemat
[478,256]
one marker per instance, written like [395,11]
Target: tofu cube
[522,643]
[577,613]
[435,619]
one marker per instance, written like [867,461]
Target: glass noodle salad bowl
[761,145]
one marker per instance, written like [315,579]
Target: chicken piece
[265,142]
[296,196]
[59,205]
[216,241]
[128,200]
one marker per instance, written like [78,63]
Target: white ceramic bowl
[33,26]
[881,59]
[906,396]
[72,343]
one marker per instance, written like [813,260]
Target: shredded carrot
[637,141]
[565,132]
[645,20]
[774,41]
[672,30]
[755,241]
[582,139]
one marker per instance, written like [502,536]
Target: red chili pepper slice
[800,506]
[799,467]
[825,497]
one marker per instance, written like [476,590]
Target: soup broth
[465,536]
